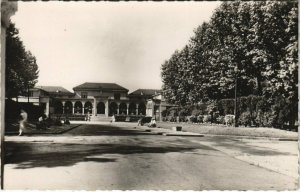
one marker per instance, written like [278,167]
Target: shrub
[200,118]
[206,118]
[164,113]
[196,112]
[220,119]
[245,119]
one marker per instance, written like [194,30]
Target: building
[101,100]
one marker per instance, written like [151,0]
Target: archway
[101,108]
[68,107]
[142,109]
[123,109]
[88,107]
[58,107]
[113,109]
[132,109]
[78,107]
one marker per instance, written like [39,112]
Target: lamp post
[235,96]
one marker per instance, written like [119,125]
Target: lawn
[215,129]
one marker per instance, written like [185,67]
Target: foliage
[21,67]
[251,46]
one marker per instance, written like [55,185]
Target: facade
[101,100]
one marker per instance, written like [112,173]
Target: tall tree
[21,67]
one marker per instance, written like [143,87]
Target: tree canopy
[253,42]
[21,67]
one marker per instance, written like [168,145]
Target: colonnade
[99,107]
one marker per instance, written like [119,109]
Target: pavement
[259,152]
[111,156]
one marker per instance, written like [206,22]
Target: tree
[21,67]
[259,39]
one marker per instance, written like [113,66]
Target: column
[127,104]
[63,104]
[47,109]
[95,107]
[106,108]
[118,109]
[73,107]
[160,117]
[7,10]
[83,102]
[137,109]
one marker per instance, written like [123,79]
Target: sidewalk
[278,156]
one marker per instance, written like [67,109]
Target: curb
[253,137]
[183,135]
[47,133]
[242,137]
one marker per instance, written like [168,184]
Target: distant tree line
[252,43]
[21,68]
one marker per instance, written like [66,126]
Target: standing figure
[23,122]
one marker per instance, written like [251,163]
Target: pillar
[160,117]
[95,107]
[83,102]
[73,107]
[118,108]
[106,108]
[63,104]
[7,10]
[137,109]
[48,108]
[127,104]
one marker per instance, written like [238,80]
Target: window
[117,96]
[84,95]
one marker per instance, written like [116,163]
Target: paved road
[103,157]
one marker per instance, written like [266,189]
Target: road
[104,157]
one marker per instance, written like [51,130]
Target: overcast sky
[118,42]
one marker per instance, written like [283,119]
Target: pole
[235,103]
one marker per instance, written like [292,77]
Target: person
[87,118]
[140,123]
[23,122]
[43,122]
[152,123]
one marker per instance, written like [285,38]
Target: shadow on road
[30,155]
[242,146]
[106,130]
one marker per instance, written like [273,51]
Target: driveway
[105,157]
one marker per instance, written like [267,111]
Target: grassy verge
[214,129]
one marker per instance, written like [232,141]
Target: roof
[100,86]
[145,92]
[54,90]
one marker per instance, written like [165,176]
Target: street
[107,157]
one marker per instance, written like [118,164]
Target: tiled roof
[145,92]
[57,90]
[101,86]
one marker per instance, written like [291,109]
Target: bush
[245,119]
[220,120]
[196,112]
[206,118]
[200,118]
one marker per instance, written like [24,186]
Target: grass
[215,129]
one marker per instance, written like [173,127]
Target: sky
[114,42]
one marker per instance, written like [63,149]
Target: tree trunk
[28,93]
[258,83]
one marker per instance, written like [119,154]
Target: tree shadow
[106,130]
[30,155]
[252,150]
